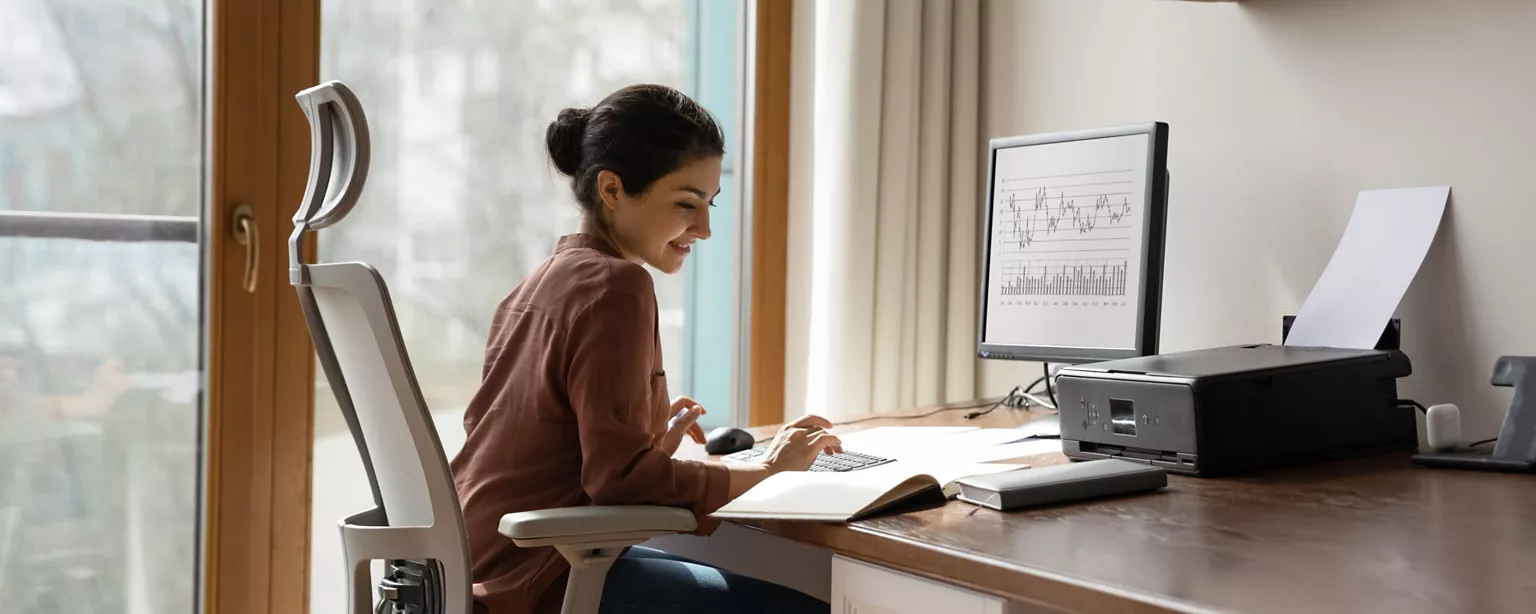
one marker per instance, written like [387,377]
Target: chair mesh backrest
[358,322]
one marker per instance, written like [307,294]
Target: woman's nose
[700,227]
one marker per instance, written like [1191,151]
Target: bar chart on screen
[1064,278]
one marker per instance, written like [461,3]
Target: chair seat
[595,523]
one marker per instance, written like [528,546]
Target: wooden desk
[1368,535]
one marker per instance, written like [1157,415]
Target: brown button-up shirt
[572,405]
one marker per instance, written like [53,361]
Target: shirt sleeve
[610,382]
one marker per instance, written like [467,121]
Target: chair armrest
[594,524]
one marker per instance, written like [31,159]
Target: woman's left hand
[685,419]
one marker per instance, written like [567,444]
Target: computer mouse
[728,440]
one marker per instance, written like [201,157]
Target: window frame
[765,305]
[257,425]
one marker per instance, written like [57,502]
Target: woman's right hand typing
[794,448]
[796,445]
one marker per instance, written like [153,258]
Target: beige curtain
[893,215]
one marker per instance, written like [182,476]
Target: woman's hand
[796,445]
[685,419]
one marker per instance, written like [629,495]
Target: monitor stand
[1516,447]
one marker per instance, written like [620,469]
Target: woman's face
[658,227]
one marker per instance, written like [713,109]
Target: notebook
[843,497]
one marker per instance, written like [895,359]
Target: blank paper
[1386,240]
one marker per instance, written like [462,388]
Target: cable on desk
[1410,403]
[1474,445]
[1017,390]
[1021,400]
[1037,401]
[1021,397]
[914,417]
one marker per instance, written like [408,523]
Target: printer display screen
[1122,416]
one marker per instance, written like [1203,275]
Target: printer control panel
[1151,422]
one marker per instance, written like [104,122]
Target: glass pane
[710,275]
[100,112]
[101,106]
[461,202]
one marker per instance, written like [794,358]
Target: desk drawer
[861,588]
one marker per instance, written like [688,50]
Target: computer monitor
[1074,245]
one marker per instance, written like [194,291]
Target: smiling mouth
[682,247]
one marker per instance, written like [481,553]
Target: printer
[1229,410]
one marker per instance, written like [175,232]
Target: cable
[1474,445]
[1049,390]
[1000,402]
[1034,400]
[914,417]
[1032,385]
[1022,399]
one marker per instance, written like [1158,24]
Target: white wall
[1279,112]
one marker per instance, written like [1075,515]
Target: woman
[573,408]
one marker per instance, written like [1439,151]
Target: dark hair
[639,133]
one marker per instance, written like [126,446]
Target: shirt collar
[586,241]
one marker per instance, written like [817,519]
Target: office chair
[416,524]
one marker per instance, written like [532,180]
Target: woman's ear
[610,189]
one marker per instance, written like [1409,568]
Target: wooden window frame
[770,208]
[258,431]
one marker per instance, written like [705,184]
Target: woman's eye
[688,206]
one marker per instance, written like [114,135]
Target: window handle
[242,226]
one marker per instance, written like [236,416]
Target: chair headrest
[338,154]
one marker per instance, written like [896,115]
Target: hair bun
[563,138]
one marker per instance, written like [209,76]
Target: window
[101,180]
[461,202]
[709,278]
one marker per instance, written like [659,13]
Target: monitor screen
[1074,245]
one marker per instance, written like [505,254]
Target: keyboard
[847,461]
